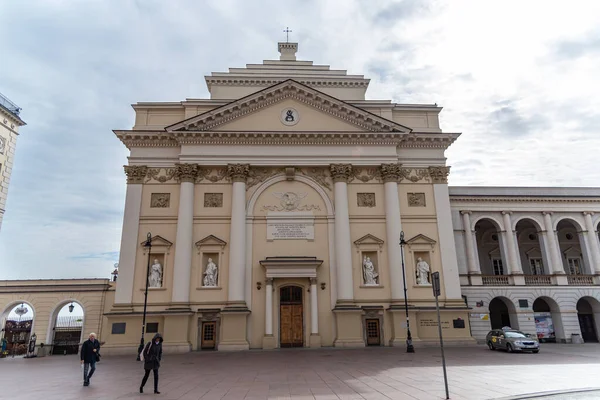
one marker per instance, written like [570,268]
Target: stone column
[186,174]
[237,239]
[554,249]
[470,242]
[593,242]
[347,315]
[514,261]
[341,174]
[314,308]
[269,308]
[390,174]
[130,233]
[235,314]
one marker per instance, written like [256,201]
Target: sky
[518,79]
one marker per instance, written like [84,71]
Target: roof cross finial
[287,31]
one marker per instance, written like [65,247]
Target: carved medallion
[289,116]
[213,200]
[365,199]
[416,199]
[160,200]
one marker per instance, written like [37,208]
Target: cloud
[577,48]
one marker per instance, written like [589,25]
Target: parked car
[512,340]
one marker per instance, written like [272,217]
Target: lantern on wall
[71,307]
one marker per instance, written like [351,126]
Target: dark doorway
[291,324]
[587,324]
[499,316]
[209,335]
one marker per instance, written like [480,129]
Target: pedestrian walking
[90,355]
[151,355]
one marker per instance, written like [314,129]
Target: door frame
[278,310]
[375,312]
[208,316]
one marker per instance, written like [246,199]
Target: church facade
[275,210]
[270,215]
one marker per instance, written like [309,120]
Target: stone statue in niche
[422,272]
[210,274]
[369,274]
[155,276]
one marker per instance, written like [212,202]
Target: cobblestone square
[372,373]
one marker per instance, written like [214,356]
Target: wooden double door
[291,320]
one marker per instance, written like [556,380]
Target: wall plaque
[301,227]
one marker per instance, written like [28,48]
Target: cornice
[290,138]
[318,82]
[415,140]
[521,199]
[146,138]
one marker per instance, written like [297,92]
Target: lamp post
[148,245]
[409,345]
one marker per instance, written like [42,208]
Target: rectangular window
[537,267]
[118,328]
[152,327]
[497,266]
[574,266]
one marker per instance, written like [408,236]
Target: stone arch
[282,177]
[573,245]
[497,223]
[489,247]
[531,247]
[9,307]
[503,312]
[548,319]
[537,223]
[588,313]
[579,225]
[54,315]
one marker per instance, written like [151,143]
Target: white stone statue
[210,274]
[155,277]
[422,272]
[369,273]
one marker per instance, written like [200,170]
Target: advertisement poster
[544,326]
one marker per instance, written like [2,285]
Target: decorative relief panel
[290,201]
[213,200]
[211,174]
[320,175]
[161,175]
[2,145]
[367,174]
[365,199]
[258,175]
[414,175]
[160,200]
[416,199]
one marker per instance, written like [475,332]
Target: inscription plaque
[279,228]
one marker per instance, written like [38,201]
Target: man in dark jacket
[152,354]
[90,353]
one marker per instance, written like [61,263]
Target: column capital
[507,212]
[586,213]
[186,172]
[238,172]
[269,281]
[391,172]
[439,174]
[466,212]
[341,172]
[135,173]
[544,213]
[313,281]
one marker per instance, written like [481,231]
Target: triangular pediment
[342,116]
[421,239]
[211,240]
[158,241]
[368,239]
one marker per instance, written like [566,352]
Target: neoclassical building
[275,209]
[270,216]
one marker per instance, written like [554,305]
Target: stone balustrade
[538,280]
[495,280]
[580,280]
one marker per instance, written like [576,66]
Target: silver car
[512,340]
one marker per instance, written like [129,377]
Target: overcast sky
[519,79]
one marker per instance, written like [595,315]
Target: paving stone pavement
[372,373]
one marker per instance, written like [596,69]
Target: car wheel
[491,346]
[535,351]
[509,348]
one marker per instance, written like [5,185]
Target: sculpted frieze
[366,174]
[161,175]
[211,174]
[414,175]
[319,174]
[290,201]
[257,175]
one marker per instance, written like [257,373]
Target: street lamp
[71,307]
[148,245]
[409,345]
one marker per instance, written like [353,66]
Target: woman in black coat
[152,354]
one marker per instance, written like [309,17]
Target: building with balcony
[529,258]
[10,121]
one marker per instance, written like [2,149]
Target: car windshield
[514,335]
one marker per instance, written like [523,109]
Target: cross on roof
[287,31]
